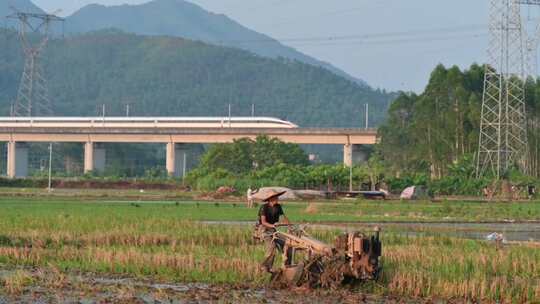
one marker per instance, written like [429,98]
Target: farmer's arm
[266,223]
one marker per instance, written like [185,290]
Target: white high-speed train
[146,122]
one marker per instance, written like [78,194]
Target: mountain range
[140,59]
[176,18]
[169,76]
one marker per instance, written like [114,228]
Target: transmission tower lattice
[32,97]
[503,130]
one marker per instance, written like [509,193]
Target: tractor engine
[362,252]
[353,258]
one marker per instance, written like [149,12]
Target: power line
[325,14]
[458,29]
[256,7]
[395,41]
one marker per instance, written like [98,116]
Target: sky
[391,44]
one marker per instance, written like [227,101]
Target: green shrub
[24,182]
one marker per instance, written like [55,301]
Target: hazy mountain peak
[21,5]
[181,18]
[6,9]
[95,5]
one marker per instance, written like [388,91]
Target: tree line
[266,161]
[437,132]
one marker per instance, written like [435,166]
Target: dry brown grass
[487,274]
[16,282]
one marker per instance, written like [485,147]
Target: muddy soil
[52,286]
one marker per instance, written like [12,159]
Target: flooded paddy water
[512,232]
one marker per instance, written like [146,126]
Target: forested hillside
[179,18]
[173,76]
[437,131]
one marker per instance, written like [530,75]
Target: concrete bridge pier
[354,154]
[94,157]
[88,157]
[170,161]
[17,159]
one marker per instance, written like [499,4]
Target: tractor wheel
[334,273]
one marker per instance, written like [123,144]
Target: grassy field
[330,211]
[157,241]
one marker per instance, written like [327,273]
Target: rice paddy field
[348,210]
[47,242]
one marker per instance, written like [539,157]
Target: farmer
[269,215]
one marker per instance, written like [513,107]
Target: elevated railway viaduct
[173,132]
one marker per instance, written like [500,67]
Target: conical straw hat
[268,194]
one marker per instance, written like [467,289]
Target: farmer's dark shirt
[271,213]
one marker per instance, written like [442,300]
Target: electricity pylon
[32,97]
[503,127]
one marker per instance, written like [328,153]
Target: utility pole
[229,115]
[367,115]
[184,167]
[32,97]
[103,111]
[503,127]
[127,110]
[50,168]
[252,110]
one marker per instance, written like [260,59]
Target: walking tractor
[354,257]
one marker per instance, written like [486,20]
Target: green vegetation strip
[334,211]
